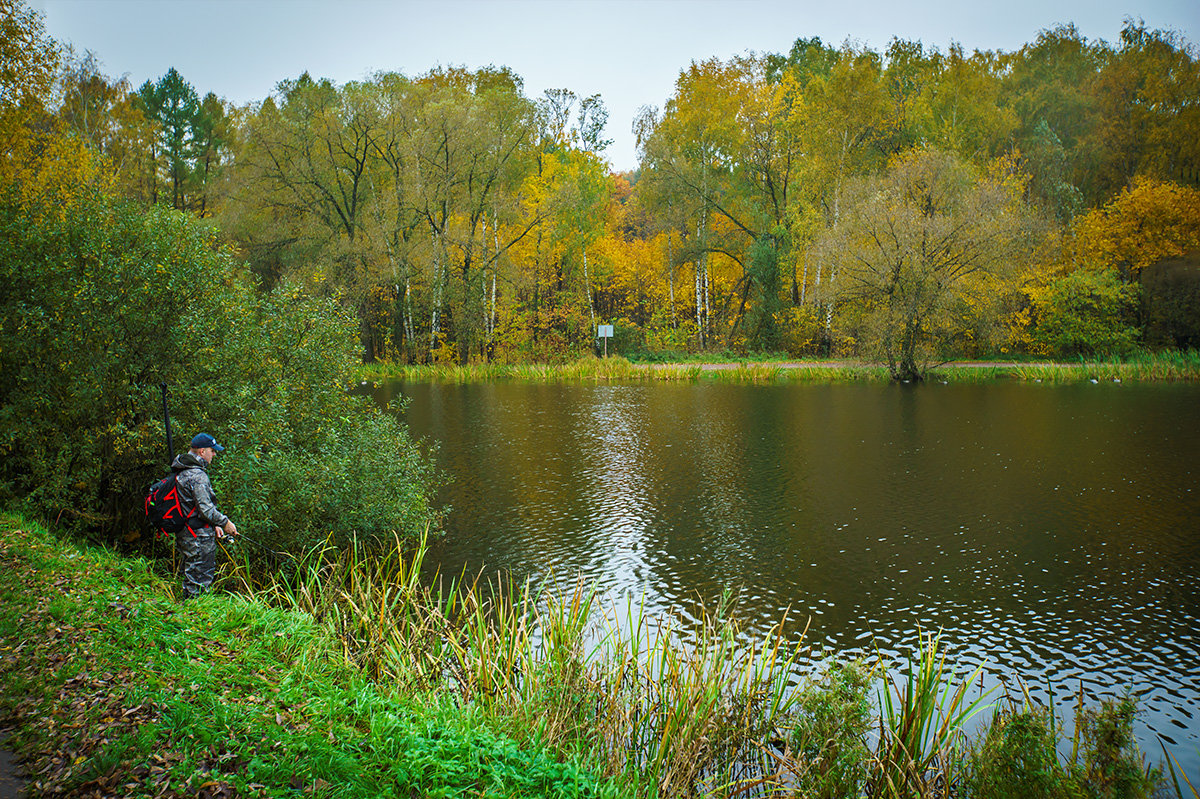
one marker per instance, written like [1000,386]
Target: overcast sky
[628,51]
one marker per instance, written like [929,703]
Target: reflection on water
[1052,533]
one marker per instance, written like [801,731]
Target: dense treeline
[461,220]
[103,299]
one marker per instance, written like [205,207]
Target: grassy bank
[352,677]
[114,687]
[1166,366]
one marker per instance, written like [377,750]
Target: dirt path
[716,367]
[12,786]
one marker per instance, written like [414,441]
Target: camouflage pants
[198,560]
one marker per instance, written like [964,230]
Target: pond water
[1052,533]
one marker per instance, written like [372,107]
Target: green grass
[119,688]
[1165,366]
[1159,367]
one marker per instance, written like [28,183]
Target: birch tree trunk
[435,312]
[671,282]
[409,331]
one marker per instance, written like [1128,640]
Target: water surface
[1051,532]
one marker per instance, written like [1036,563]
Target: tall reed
[679,708]
[921,721]
[683,707]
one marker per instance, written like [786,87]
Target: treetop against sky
[630,53]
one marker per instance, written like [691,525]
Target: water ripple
[1049,533]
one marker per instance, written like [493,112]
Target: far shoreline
[1171,366]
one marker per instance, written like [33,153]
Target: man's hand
[230,529]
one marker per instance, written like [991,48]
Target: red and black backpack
[164,509]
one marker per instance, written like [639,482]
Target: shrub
[1017,756]
[1017,759]
[102,302]
[1114,766]
[1085,313]
[828,742]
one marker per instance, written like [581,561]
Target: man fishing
[197,541]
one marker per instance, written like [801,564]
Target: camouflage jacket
[196,491]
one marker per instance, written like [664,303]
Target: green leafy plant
[104,302]
[1017,758]
[827,755]
[1113,766]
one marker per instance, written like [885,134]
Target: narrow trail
[716,367]
[12,784]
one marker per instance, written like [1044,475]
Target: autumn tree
[29,59]
[572,184]
[920,245]
[1148,222]
[1147,118]
[90,101]
[470,149]
[841,116]
[28,56]
[1148,238]
[721,155]
[1048,86]
[300,183]
[966,111]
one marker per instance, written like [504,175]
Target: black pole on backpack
[167,424]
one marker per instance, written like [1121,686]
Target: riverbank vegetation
[107,303]
[1161,366]
[353,677]
[779,203]
[248,259]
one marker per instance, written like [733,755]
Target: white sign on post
[605,332]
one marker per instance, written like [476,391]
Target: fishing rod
[259,544]
[167,425]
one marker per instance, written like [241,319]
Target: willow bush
[103,302]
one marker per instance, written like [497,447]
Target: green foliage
[829,754]
[102,302]
[1085,313]
[1171,303]
[1017,758]
[1113,765]
[762,322]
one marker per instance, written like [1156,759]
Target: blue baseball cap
[205,440]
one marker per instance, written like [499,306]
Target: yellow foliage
[1148,222]
[50,173]
[444,352]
